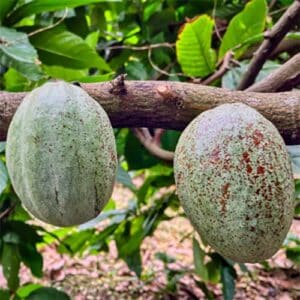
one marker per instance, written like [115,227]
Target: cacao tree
[153,66]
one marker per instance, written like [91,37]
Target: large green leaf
[11,265]
[199,254]
[3,177]
[47,293]
[58,46]
[228,275]
[232,78]
[294,151]
[136,155]
[32,259]
[193,47]
[66,74]
[17,52]
[15,81]
[248,23]
[38,6]
[25,290]
[5,7]
[124,178]
[2,146]
[4,294]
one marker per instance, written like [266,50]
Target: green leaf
[47,293]
[134,262]
[294,151]
[228,275]
[193,47]
[136,155]
[136,70]
[39,6]
[169,139]
[3,177]
[58,46]
[293,253]
[17,52]
[66,74]
[76,241]
[16,82]
[32,259]
[26,232]
[11,265]
[25,290]
[97,78]
[232,78]
[5,7]
[11,237]
[124,178]
[208,294]
[4,294]
[199,254]
[164,257]
[2,147]
[248,23]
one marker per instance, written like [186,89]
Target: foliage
[82,40]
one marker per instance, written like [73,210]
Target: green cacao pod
[234,179]
[61,154]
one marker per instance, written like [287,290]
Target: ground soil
[103,276]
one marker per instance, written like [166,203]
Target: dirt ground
[103,276]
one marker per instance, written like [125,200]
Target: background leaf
[11,265]
[228,275]
[60,47]
[38,6]
[248,23]
[193,47]
[47,293]
[17,52]
[232,78]
[3,177]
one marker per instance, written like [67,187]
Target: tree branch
[224,67]
[172,105]
[7,211]
[152,144]
[290,45]
[282,79]
[272,39]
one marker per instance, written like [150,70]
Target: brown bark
[272,39]
[285,78]
[172,105]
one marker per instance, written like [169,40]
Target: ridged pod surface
[234,179]
[61,154]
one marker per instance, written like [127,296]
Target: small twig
[288,44]
[156,68]
[272,39]
[217,31]
[186,236]
[50,26]
[138,48]
[39,30]
[224,67]
[8,211]
[285,78]
[151,144]
[157,135]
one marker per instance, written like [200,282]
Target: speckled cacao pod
[61,154]
[234,179]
